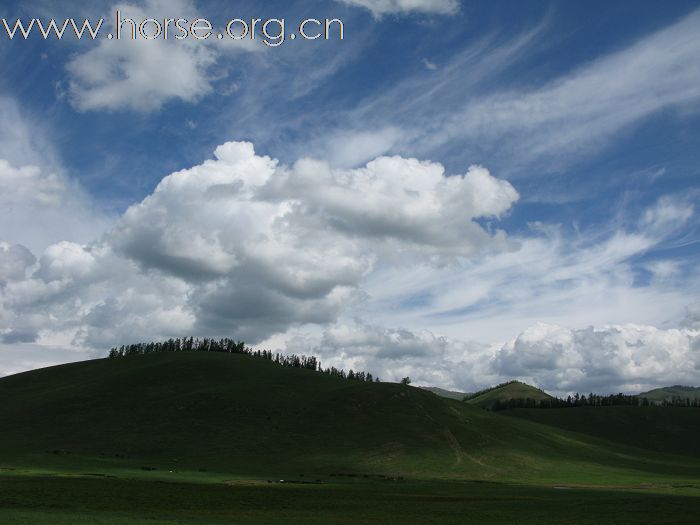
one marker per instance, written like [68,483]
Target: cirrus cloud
[384,7]
[39,207]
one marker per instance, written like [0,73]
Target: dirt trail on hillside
[455,446]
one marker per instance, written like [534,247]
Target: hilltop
[512,390]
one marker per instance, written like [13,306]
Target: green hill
[219,415]
[449,394]
[670,392]
[512,390]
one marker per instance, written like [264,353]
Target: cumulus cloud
[143,75]
[29,185]
[384,7]
[243,245]
[14,262]
[625,358]
[605,359]
[392,354]
[307,228]
[268,246]
[39,206]
[86,297]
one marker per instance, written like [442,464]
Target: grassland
[85,501]
[206,438]
[666,430]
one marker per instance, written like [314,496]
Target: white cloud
[627,358]
[663,269]
[139,76]
[667,213]
[66,260]
[143,75]
[85,297]
[14,262]
[243,209]
[392,354]
[384,7]
[578,278]
[429,65]
[606,359]
[244,246]
[351,149]
[29,185]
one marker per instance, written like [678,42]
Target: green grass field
[78,501]
[206,438]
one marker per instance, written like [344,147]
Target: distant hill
[236,415]
[669,392]
[511,390]
[449,394]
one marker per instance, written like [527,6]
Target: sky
[463,192]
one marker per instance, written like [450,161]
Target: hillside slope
[656,429]
[237,414]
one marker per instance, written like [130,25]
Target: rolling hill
[220,414]
[512,390]
[670,392]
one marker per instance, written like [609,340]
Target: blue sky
[462,191]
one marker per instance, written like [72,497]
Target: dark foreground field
[77,501]
[206,438]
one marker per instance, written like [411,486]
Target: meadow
[218,438]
